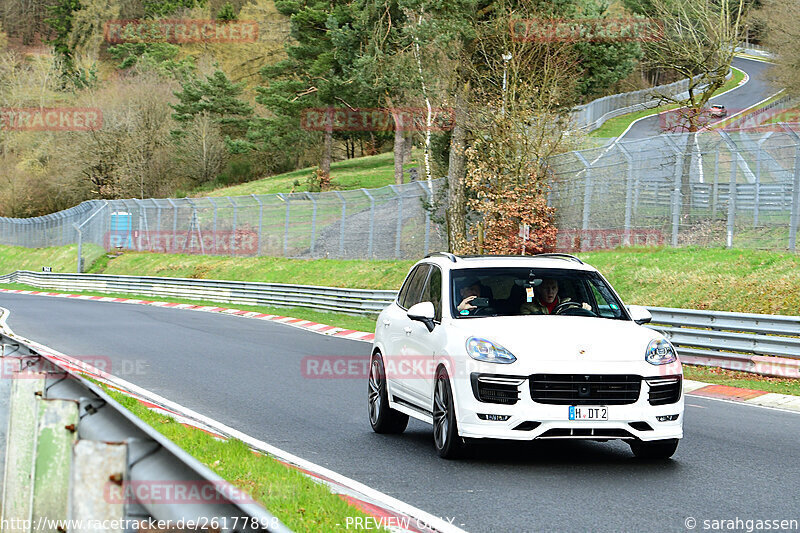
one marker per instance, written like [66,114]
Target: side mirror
[423,312]
[640,314]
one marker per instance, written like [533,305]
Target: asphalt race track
[735,461]
[740,98]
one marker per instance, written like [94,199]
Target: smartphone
[480,302]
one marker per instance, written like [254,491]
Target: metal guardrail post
[313,220]
[285,226]
[341,223]
[260,221]
[794,217]
[399,230]
[371,221]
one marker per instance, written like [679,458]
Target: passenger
[546,299]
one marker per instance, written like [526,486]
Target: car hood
[563,338]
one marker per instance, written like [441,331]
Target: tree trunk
[686,171]
[456,196]
[409,143]
[327,146]
[398,143]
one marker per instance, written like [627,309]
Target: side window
[415,284]
[433,292]
[403,294]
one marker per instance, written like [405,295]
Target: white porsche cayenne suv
[537,347]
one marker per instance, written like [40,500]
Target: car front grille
[664,390]
[496,389]
[585,389]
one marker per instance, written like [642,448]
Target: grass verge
[298,501]
[745,380]
[616,126]
[368,172]
[60,258]
[342,320]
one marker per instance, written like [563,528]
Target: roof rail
[561,256]
[448,255]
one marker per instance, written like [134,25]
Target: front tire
[445,429]
[382,418]
[657,449]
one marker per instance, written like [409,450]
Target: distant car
[717,111]
[585,369]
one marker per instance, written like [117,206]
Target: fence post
[371,221]
[715,188]
[214,229]
[676,189]
[260,222]
[341,224]
[174,223]
[732,193]
[313,220]
[285,226]
[399,231]
[628,194]
[758,180]
[794,217]
[233,227]
[587,191]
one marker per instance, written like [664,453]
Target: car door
[423,345]
[399,328]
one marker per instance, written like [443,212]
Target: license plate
[583,412]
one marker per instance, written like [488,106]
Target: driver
[546,299]
[470,290]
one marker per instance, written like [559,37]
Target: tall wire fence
[716,188]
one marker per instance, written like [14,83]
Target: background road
[740,98]
[736,460]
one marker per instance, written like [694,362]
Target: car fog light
[494,418]
[667,418]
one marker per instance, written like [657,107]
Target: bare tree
[697,41]
[202,153]
[779,19]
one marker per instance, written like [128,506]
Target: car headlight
[488,351]
[660,352]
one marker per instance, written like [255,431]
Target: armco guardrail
[73,453]
[765,344]
[356,301]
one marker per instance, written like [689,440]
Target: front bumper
[528,420]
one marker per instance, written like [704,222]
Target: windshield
[537,291]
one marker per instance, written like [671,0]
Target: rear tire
[382,418]
[657,449]
[445,429]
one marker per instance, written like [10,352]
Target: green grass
[747,281]
[297,500]
[353,274]
[342,320]
[60,258]
[367,172]
[744,380]
[616,126]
